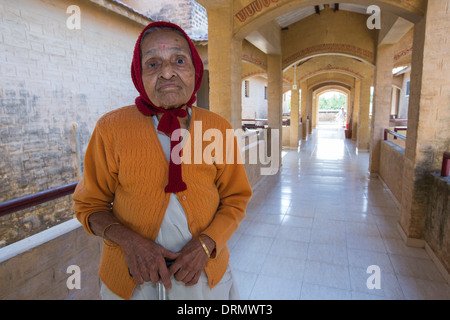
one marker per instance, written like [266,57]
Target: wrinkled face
[168,71]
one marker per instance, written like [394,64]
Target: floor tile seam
[253,285]
[259,274]
[384,298]
[390,255]
[272,239]
[273,277]
[412,256]
[264,207]
[283,276]
[326,288]
[327,244]
[398,275]
[305,281]
[355,292]
[307,255]
[382,293]
[439,282]
[427,258]
[348,259]
[328,262]
[443,283]
[354,288]
[386,238]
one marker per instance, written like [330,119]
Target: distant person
[341,117]
[148,207]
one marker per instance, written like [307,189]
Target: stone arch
[334,67]
[323,88]
[257,13]
[334,70]
[250,70]
[331,86]
[312,37]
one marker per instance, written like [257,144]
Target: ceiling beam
[267,38]
[393,29]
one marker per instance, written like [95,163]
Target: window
[247,88]
[407,87]
[265,92]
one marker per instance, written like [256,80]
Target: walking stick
[162,294]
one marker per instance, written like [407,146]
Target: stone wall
[391,163]
[41,271]
[437,219]
[188,14]
[428,114]
[53,79]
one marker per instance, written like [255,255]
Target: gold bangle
[204,247]
[103,233]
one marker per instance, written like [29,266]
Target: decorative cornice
[253,60]
[254,7]
[330,48]
[331,68]
[403,53]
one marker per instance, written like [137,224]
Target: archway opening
[254,102]
[332,107]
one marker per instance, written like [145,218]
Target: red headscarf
[169,121]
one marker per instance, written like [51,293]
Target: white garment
[174,235]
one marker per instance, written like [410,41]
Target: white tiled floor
[313,229]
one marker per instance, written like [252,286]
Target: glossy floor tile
[322,229]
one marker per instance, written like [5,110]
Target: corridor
[313,230]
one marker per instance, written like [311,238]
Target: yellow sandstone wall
[53,78]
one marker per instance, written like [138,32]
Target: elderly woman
[149,206]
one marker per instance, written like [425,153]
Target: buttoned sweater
[126,171]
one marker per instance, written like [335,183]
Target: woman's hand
[191,261]
[147,260]
[144,257]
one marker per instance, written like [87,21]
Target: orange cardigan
[125,172]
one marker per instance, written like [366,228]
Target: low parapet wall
[46,266]
[437,220]
[391,167]
[437,216]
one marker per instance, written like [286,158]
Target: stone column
[309,103]
[303,108]
[274,91]
[293,131]
[364,124]
[428,114]
[381,103]
[350,97]
[225,66]
[275,96]
[356,106]
[315,111]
